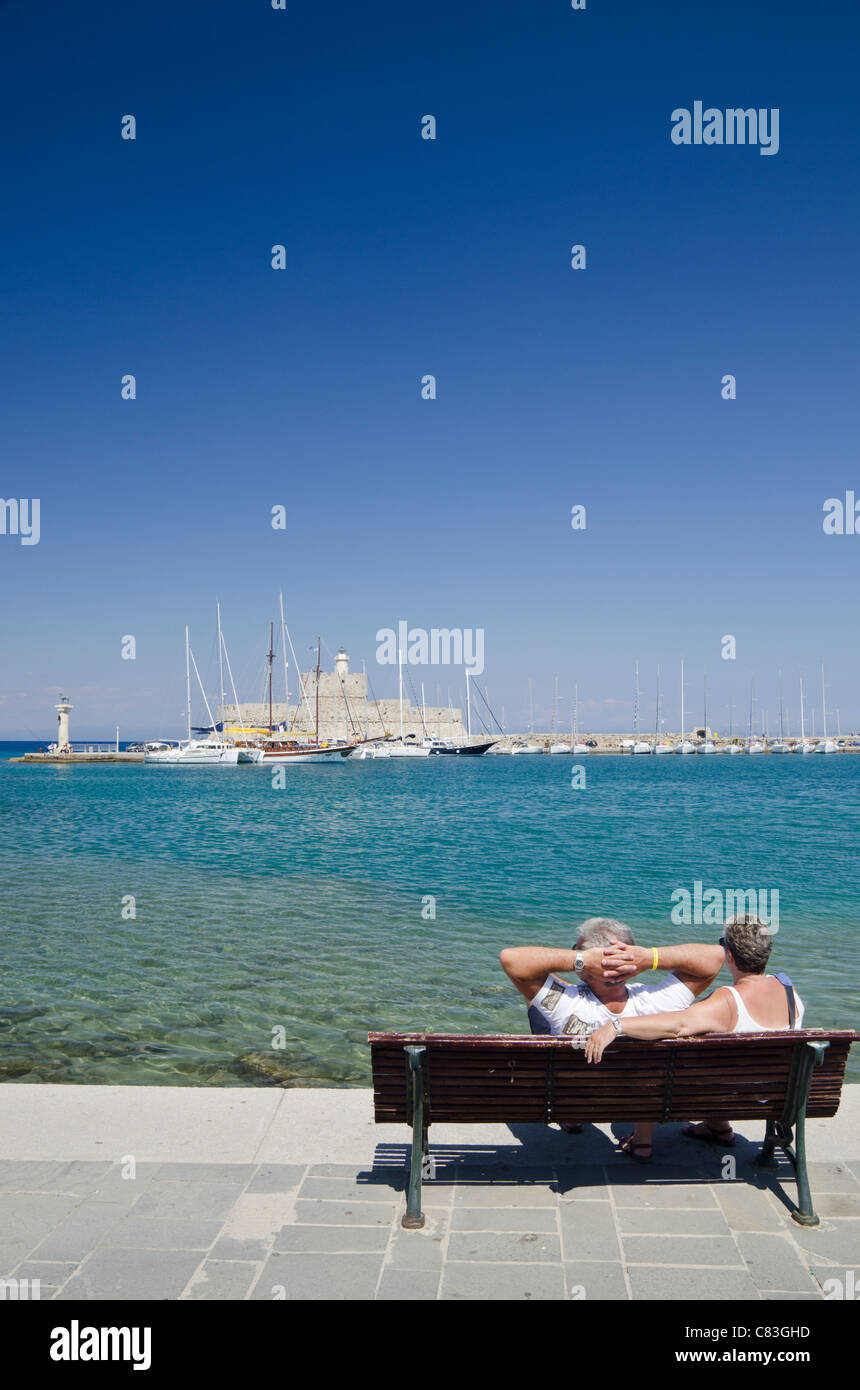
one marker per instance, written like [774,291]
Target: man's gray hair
[599,931]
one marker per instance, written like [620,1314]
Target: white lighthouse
[341,666]
[63,724]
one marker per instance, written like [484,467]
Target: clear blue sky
[405,257]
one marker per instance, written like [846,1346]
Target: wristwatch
[616,1024]
[579,962]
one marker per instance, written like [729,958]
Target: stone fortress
[346,710]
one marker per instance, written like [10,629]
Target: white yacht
[560,748]
[706,747]
[664,748]
[755,747]
[641,747]
[195,752]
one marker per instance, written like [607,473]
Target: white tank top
[747,1024]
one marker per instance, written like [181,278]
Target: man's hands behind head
[620,960]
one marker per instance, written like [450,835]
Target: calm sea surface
[301,909]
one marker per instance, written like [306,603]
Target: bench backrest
[541,1079]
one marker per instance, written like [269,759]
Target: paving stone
[501,1194]
[664,1282]
[712,1251]
[498,1219]
[837,1241]
[52,1274]
[276,1177]
[502,1281]
[80,1232]
[419,1250]
[222,1279]
[345,1170]
[238,1173]
[346,1213]
[324,1239]
[74,1178]
[113,1187]
[589,1231]
[20,1175]
[485,1246]
[132,1274]
[680,1196]
[770,1296]
[831,1204]
[342,1190]
[836,1282]
[748,1208]
[660,1221]
[11,1255]
[597,1278]
[831,1177]
[408,1284]
[207,1201]
[584,1184]
[162,1233]
[231,1248]
[773,1262]
[321,1278]
[29,1216]
[518,1175]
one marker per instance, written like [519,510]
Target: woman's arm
[716,1014]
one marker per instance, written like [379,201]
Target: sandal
[640,1153]
[707,1135]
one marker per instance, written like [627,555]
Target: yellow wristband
[655,966]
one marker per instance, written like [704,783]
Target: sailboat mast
[802,730]
[682,702]
[400,687]
[706,704]
[636,700]
[781,721]
[271,658]
[188,681]
[554,704]
[531,707]
[319,644]
[657,715]
[823,706]
[286,664]
[220,664]
[468,704]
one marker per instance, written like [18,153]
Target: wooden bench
[777,1077]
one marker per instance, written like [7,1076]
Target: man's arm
[528,966]
[696,965]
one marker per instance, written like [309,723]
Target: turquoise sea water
[301,909]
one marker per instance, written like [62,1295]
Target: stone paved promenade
[265,1194]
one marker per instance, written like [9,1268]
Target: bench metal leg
[413,1218]
[771,1140]
[779,1135]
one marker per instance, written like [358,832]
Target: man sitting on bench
[604,956]
[753,1003]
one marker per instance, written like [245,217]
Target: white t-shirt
[572,1010]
